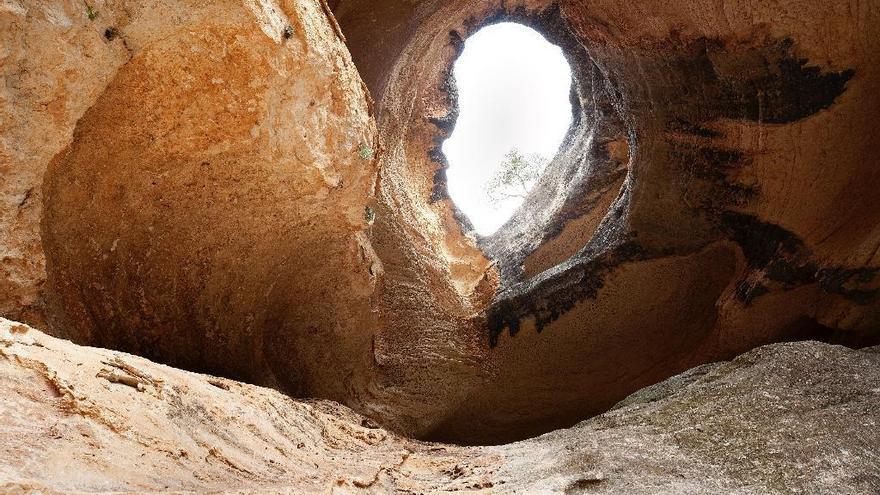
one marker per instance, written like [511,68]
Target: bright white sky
[513,88]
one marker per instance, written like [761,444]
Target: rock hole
[514,112]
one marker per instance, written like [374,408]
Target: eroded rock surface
[224,198]
[229,164]
[785,418]
[54,63]
[717,192]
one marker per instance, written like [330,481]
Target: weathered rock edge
[784,418]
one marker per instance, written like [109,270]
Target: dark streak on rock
[761,242]
[760,79]
[785,260]
[712,165]
[27,195]
[849,283]
[546,302]
[440,190]
[111,33]
[747,292]
[681,125]
[781,88]
[777,254]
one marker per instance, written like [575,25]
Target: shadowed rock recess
[255,191]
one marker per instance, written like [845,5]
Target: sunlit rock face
[54,62]
[225,196]
[210,209]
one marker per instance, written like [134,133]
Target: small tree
[515,176]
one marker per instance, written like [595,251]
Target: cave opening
[514,111]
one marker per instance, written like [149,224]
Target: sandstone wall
[715,193]
[54,62]
[212,186]
[210,210]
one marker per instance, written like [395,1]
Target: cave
[233,255]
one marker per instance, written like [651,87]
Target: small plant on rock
[91,13]
[366,152]
[515,176]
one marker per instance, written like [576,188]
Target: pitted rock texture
[54,63]
[785,418]
[190,218]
